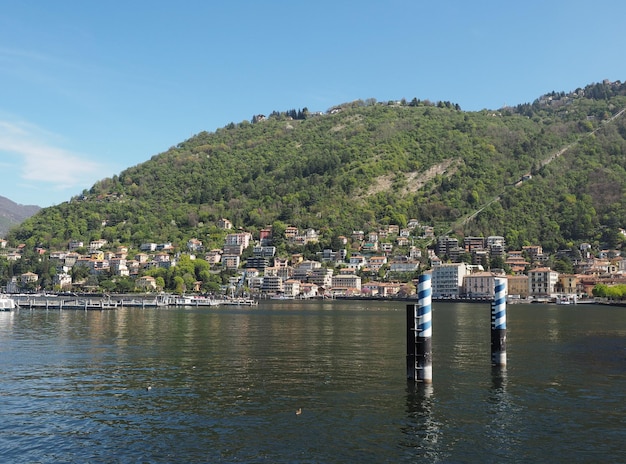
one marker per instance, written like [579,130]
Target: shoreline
[114,301]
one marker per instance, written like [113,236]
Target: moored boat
[240,302]
[6,303]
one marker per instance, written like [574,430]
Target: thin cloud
[42,161]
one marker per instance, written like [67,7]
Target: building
[383,289]
[242,238]
[542,282]
[224,224]
[479,285]
[146,283]
[257,263]
[445,245]
[321,276]
[148,247]
[62,281]
[28,278]
[358,235]
[213,256]
[568,284]
[403,265]
[517,286]
[495,240]
[346,284]
[291,233]
[291,288]
[193,244]
[329,255]
[447,279]
[357,261]
[386,247]
[516,262]
[118,267]
[308,290]
[415,253]
[263,251]
[376,262]
[75,245]
[231,261]
[534,252]
[304,269]
[265,236]
[234,249]
[96,245]
[480,256]
[309,236]
[473,243]
[272,284]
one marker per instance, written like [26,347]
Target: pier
[106,302]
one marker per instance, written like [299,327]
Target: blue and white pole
[423,340]
[498,323]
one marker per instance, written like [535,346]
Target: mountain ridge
[369,163]
[12,214]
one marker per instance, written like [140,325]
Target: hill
[366,163]
[12,214]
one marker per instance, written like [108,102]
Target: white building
[242,238]
[357,261]
[63,281]
[291,288]
[193,244]
[447,279]
[95,245]
[541,282]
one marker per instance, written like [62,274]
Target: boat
[6,303]
[196,301]
[240,302]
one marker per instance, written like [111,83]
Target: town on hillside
[382,263]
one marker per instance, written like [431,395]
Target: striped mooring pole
[419,334]
[498,324]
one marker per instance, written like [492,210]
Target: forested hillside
[368,163]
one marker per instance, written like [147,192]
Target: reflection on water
[422,431]
[502,430]
[225,385]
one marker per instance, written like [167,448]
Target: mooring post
[411,329]
[423,339]
[498,323]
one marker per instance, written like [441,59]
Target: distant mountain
[551,172]
[12,214]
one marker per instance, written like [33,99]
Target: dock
[49,302]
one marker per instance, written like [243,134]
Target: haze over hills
[367,163]
[12,214]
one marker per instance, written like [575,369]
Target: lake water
[226,385]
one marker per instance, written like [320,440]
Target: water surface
[224,385]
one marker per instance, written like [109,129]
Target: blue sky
[91,88]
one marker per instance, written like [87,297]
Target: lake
[223,385]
